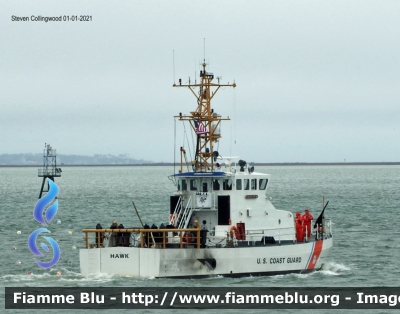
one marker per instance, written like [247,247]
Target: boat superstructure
[221,221]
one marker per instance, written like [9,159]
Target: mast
[204,121]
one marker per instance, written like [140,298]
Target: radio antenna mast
[204,121]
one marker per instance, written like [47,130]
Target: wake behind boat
[221,221]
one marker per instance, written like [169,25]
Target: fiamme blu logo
[44,212]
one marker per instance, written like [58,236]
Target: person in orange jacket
[299,228]
[307,217]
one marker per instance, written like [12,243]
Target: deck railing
[284,233]
[149,238]
[326,230]
[147,235]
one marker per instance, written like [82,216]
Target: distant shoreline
[255,164]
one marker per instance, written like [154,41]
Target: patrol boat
[221,221]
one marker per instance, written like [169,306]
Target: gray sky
[317,81]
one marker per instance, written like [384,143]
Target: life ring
[234,231]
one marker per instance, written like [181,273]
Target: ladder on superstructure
[181,216]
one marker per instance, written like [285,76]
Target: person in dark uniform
[113,239]
[120,236]
[98,226]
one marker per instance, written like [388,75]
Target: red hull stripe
[317,248]
[309,258]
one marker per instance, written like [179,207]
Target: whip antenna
[173,64]
[204,44]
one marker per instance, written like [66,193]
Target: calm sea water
[363,204]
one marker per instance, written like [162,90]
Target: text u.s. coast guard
[279,260]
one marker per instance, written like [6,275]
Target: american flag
[200,128]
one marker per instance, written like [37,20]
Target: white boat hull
[193,262]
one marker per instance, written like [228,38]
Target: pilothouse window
[238,184]
[216,185]
[227,184]
[246,184]
[254,184]
[182,185]
[263,184]
[193,185]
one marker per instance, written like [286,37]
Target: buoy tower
[49,169]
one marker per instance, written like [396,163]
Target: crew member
[120,236]
[299,228]
[98,226]
[307,217]
[113,238]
